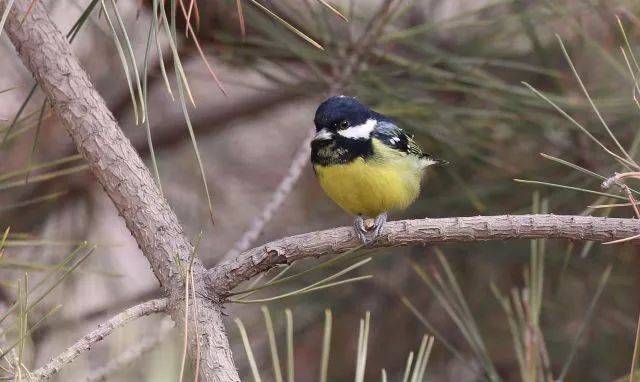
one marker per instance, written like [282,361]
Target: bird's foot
[367,233]
[378,223]
[361,230]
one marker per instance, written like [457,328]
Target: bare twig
[103,330]
[228,275]
[132,354]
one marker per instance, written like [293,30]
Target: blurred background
[452,72]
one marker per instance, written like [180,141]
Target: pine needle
[290,356]
[287,25]
[326,346]
[333,9]
[248,351]
[275,358]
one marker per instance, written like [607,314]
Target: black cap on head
[340,108]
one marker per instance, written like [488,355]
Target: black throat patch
[339,150]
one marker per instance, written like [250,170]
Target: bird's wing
[393,136]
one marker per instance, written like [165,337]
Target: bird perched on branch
[365,162]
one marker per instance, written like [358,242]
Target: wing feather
[393,136]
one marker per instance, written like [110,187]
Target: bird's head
[344,116]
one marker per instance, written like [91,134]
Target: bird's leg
[377,225]
[361,231]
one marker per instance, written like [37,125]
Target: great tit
[365,162]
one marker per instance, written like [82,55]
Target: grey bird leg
[361,231]
[377,225]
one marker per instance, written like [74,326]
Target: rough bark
[121,172]
[420,232]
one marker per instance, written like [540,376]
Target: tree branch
[123,175]
[228,275]
[103,330]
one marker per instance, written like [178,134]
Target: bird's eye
[344,124]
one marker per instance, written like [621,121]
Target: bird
[365,163]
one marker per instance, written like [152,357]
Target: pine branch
[228,275]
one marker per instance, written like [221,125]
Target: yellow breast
[388,181]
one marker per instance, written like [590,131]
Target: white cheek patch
[360,131]
[323,134]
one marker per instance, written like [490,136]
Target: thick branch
[421,232]
[121,172]
[103,330]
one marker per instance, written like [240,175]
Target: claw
[361,231]
[377,226]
